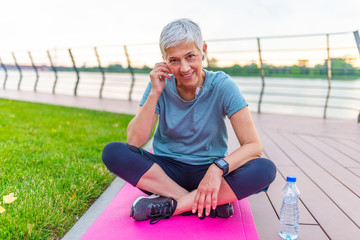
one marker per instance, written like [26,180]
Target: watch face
[222,162]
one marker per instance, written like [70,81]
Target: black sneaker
[222,211]
[154,207]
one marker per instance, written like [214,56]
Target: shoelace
[161,211]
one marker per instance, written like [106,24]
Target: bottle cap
[290,179]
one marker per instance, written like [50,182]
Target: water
[305,92]
[117,86]
[289,212]
[289,221]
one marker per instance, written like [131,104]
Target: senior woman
[190,169]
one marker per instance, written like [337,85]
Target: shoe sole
[231,209]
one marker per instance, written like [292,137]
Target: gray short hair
[180,31]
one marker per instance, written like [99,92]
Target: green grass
[50,157]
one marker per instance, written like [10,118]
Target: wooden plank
[331,219]
[330,165]
[356,171]
[354,145]
[307,232]
[278,157]
[309,125]
[267,224]
[331,152]
[325,212]
[276,187]
[275,197]
[266,221]
[348,151]
[347,200]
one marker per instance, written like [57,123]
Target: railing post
[328,73]
[357,40]
[77,72]
[131,72]
[35,69]
[262,76]
[6,73]
[101,70]
[54,69]
[19,69]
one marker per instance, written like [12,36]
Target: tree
[212,63]
[295,70]
[339,66]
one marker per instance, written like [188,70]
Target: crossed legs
[155,180]
[163,176]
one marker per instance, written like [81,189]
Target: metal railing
[147,54]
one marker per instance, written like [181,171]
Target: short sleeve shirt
[194,132]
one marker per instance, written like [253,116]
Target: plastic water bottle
[289,212]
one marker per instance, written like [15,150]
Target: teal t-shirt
[194,132]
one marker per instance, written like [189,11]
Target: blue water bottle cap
[290,179]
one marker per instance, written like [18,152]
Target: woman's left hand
[207,192]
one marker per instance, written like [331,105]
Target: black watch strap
[222,164]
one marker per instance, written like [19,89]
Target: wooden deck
[324,155]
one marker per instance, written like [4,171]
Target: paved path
[110,105]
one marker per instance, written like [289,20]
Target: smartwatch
[222,164]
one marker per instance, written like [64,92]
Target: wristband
[222,164]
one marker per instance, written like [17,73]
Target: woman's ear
[204,50]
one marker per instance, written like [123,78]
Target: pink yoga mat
[115,223]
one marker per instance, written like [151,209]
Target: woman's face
[185,62]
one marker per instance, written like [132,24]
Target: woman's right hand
[158,75]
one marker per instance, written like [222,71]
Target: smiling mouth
[187,76]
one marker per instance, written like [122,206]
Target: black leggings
[131,163]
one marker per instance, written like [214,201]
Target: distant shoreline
[239,73]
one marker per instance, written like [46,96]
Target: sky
[39,24]
[46,24]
